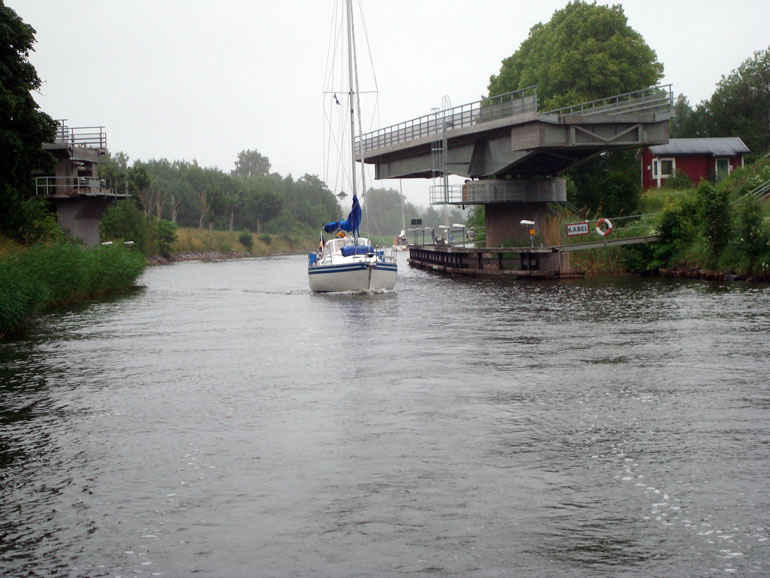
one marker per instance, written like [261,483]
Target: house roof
[719,147]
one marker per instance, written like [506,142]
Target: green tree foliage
[683,119]
[384,208]
[22,126]
[738,107]
[608,183]
[125,221]
[251,164]
[585,52]
[193,196]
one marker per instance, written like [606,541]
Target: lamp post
[532,231]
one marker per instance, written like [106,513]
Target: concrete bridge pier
[503,223]
[80,216]
[509,201]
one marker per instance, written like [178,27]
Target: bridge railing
[481,193]
[488,109]
[81,136]
[71,186]
[492,191]
[647,100]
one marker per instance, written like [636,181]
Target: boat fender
[606,232]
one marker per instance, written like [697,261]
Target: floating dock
[514,262]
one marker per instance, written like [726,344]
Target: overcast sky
[195,79]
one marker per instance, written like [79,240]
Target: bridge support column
[80,216]
[509,201]
[504,223]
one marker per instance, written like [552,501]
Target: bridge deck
[507,136]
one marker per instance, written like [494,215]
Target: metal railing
[624,227]
[71,186]
[481,111]
[656,98]
[81,136]
[479,194]
[454,235]
[760,193]
[494,191]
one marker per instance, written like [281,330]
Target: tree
[608,182]
[740,106]
[23,128]
[585,52]
[251,164]
[265,205]
[114,169]
[140,186]
[683,121]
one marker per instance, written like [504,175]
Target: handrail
[71,186]
[760,193]
[646,224]
[480,111]
[83,136]
[659,97]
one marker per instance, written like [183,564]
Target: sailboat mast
[349,5]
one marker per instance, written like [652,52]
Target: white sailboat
[347,261]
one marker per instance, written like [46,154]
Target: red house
[696,157]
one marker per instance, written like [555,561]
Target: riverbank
[155,260]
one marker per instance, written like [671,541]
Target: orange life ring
[607,231]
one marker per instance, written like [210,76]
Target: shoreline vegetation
[44,277]
[203,245]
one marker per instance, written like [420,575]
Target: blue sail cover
[351,224]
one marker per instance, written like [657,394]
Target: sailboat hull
[353,277]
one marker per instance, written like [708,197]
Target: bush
[266,238]
[679,181]
[714,216]
[125,221]
[246,240]
[165,237]
[39,223]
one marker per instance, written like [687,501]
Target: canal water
[223,421]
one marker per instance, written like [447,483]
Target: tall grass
[226,243]
[47,276]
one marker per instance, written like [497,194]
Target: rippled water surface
[224,421]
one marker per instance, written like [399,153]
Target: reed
[47,276]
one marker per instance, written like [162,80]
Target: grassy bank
[244,243]
[35,279]
[202,242]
